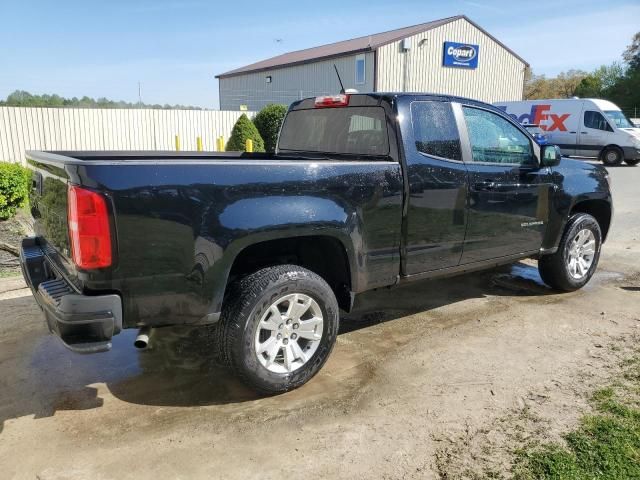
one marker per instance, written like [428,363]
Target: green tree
[567,82]
[268,122]
[632,54]
[609,75]
[21,98]
[625,92]
[600,82]
[562,86]
[243,130]
[535,86]
[589,87]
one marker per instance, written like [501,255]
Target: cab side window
[435,130]
[495,140]
[596,120]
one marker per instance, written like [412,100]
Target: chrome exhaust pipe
[143,338]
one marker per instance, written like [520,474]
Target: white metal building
[452,56]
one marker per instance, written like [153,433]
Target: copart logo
[462,53]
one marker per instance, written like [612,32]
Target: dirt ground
[440,379]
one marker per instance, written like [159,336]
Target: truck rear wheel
[278,327]
[612,156]
[576,260]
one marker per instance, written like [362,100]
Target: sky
[173,49]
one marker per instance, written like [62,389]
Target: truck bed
[178,220]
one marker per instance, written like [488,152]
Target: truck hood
[579,178]
[570,166]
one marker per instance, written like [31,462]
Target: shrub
[242,130]
[268,122]
[14,188]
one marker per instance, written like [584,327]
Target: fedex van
[582,127]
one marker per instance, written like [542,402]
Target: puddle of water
[527,272]
[521,278]
[178,370]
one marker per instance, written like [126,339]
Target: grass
[6,273]
[606,444]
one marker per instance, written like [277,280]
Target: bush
[15,181]
[242,130]
[268,122]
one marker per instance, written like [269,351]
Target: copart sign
[462,55]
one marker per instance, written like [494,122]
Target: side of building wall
[293,83]
[24,129]
[499,75]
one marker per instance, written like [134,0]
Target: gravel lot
[439,379]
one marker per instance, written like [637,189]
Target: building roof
[355,45]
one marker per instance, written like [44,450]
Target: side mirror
[551,155]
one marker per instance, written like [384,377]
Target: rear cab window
[342,130]
[435,130]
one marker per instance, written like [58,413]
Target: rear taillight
[341,100]
[89,228]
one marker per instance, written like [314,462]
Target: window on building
[494,140]
[596,120]
[360,69]
[435,130]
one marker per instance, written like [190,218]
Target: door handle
[573,132]
[583,133]
[485,185]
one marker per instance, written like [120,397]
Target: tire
[631,162]
[248,317]
[556,270]
[612,156]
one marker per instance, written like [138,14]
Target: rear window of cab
[344,130]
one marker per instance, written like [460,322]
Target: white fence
[24,129]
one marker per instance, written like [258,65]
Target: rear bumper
[84,323]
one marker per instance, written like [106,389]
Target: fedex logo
[539,115]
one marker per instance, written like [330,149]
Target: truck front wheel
[278,327]
[576,260]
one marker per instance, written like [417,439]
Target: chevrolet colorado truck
[365,191]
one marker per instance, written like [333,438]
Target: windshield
[345,130]
[619,119]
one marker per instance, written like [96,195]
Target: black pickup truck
[365,191]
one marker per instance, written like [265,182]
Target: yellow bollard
[177,143]
[220,144]
[249,145]
[199,143]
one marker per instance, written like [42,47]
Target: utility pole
[140,93]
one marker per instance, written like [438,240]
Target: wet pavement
[177,369]
[409,364]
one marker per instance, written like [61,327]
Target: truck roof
[388,96]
